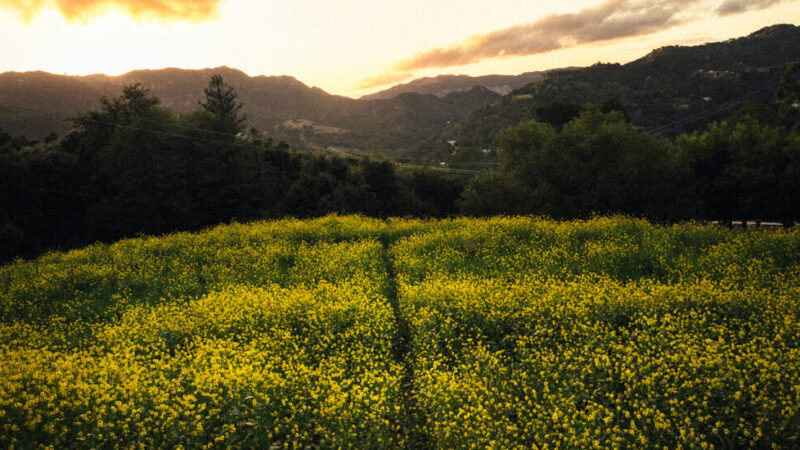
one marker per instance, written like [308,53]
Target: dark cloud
[613,19]
[729,7]
[80,10]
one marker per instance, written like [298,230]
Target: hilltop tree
[96,127]
[221,104]
[136,102]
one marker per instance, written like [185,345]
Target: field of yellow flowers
[362,333]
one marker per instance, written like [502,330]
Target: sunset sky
[353,47]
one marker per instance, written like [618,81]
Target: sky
[355,47]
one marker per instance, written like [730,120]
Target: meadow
[350,332]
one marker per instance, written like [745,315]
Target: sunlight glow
[334,45]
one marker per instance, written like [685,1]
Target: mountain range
[672,90]
[35,103]
[446,84]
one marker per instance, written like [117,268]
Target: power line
[255,146]
[234,139]
[716,108]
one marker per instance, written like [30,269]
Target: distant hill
[35,103]
[672,90]
[447,84]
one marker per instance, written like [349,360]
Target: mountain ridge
[442,85]
[671,90]
[36,103]
[669,85]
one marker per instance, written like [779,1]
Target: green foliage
[745,169]
[597,163]
[557,113]
[490,194]
[613,104]
[134,167]
[40,189]
[788,93]
[428,193]
[135,103]
[520,148]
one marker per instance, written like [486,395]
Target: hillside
[35,103]
[509,332]
[445,84]
[670,91]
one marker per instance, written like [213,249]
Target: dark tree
[598,163]
[558,113]
[744,169]
[221,104]
[766,114]
[613,104]
[134,103]
[788,93]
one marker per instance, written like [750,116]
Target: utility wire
[232,139]
[699,115]
[251,145]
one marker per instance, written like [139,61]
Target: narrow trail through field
[414,417]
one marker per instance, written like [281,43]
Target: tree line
[744,168]
[134,167]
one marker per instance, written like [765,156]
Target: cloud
[82,10]
[383,80]
[729,7]
[608,21]
[613,19]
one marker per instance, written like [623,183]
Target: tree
[613,104]
[598,163]
[558,113]
[382,186]
[494,193]
[221,104]
[745,169]
[96,128]
[134,103]
[788,93]
[519,147]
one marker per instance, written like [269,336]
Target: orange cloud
[613,19]
[383,80]
[608,21]
[82,10]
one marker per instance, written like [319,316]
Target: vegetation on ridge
[671,91]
